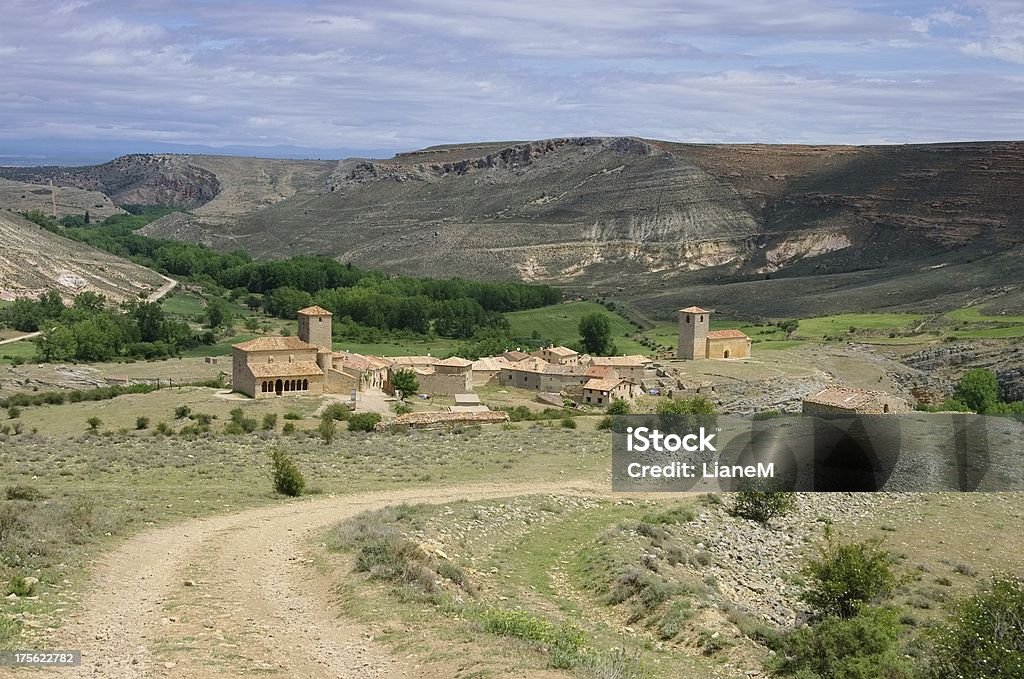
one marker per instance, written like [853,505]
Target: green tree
[405,381]
[58,345]
[848,576]
[217,314]
[150,320]
[596,334]
[327,429]
[288,480]
[619,406]
[979,389]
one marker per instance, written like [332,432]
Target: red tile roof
[726,334]
[315,311]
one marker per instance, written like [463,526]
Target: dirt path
[20,337]
[164,289]
[238,594]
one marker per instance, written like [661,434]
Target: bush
[24,492]
[288,428]
[94,423]
[568,423]
[142,422]
[984,639]
[328,429]
[164,429]
[363,421]
[402,408]
[848,576]
[859,647]
[336,411]
[182,412]
[14,412]
[292,415]
[19,586]
[619,406]
[604,423]
[288,479]
[270,422]
[759,502]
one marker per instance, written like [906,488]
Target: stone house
[275,366]
[539,375]
[558,355]
[843,400]
[601,392]
[487,370]
[630,368]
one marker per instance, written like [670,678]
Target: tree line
[360,299]
[92,330]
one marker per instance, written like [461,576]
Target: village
[307,364]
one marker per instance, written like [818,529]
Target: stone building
[437,377]
[697,341]
[601,392]
[539,375]
[843,400]
[279,366]
[558,355]
[632,368]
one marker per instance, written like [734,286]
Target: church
[697,341]
[277,366]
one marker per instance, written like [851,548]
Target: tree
[848,576]
[58,345]
[596,334]
[763,502]
[288,479]
[978,389]
[217,314]
[150,319]
[619,406]
[327,429]
[405,381]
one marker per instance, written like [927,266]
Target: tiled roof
[355,361]
[620,361]
[491,363]
[455,362]
[694,310]
[516,356]
[561,351]
[274,344]
[315,311]
[599,371]
[606,384]
[726,334]
[409,361]
[285,369]
[378,362]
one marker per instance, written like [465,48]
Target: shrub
[984,639]
[164,429]
[363,421]
[142,422]
[761,502]
[94,423]
[288,479]
[14,412]
[604,423]
[292,415]
[328,429]
[24,492]
[848,576]
[336,411]
[289,428]
[858,647]
[619,406]
[182,412]
[402,408]
[270,422]
[19,586]
[766,415]
[568,423]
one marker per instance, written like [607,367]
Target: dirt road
[164,289]
[27,336]
[237,594]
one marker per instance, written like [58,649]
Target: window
[687,318]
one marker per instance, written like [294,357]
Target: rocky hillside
[23,197]
[219,186]
[33,260]
[744,228]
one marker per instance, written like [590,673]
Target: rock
[190,583]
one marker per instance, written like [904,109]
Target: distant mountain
[40,152]
[751,229]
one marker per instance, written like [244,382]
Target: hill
[755,230]
[25,197]
[33,260]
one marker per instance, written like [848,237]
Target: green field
[560,324]
[817,328]
[972,324]
[26,349]
[183,304]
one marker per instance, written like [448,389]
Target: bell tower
[315,327]
[693,333]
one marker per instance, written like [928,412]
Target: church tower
[693,333]
[315,327]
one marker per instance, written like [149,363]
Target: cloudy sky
[402,74]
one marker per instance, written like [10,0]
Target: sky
[391,75]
